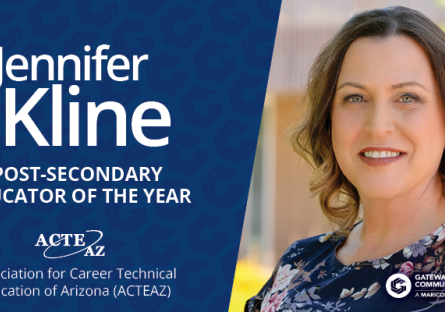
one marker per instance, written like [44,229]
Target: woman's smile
[384,154]
[380,156]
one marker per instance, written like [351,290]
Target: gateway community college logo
[398,285]
[75,241]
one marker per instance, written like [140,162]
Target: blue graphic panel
[128,140]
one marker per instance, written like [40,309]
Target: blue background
[208,64]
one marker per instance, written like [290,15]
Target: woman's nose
[379,120]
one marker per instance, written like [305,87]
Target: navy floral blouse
[309,278]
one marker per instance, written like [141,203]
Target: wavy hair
[311,138]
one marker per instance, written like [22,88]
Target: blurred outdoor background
[280,210]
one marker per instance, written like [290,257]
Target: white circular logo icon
[398,285]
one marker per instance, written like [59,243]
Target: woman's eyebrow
[351,84]
[408,83]
[393,87]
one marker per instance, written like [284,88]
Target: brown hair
[311,138]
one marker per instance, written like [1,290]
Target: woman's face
[388,121]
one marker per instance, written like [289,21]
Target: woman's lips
[380,156]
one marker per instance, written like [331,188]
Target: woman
[375,136]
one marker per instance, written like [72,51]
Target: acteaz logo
[398,285]
[67,240]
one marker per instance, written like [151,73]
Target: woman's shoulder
[301,259]
[315,244]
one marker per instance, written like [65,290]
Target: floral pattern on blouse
[309,278]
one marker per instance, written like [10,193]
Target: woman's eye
[355,98]
[407,98]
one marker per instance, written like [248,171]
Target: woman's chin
[380,192]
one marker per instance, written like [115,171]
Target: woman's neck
[418,211]
[391,225]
